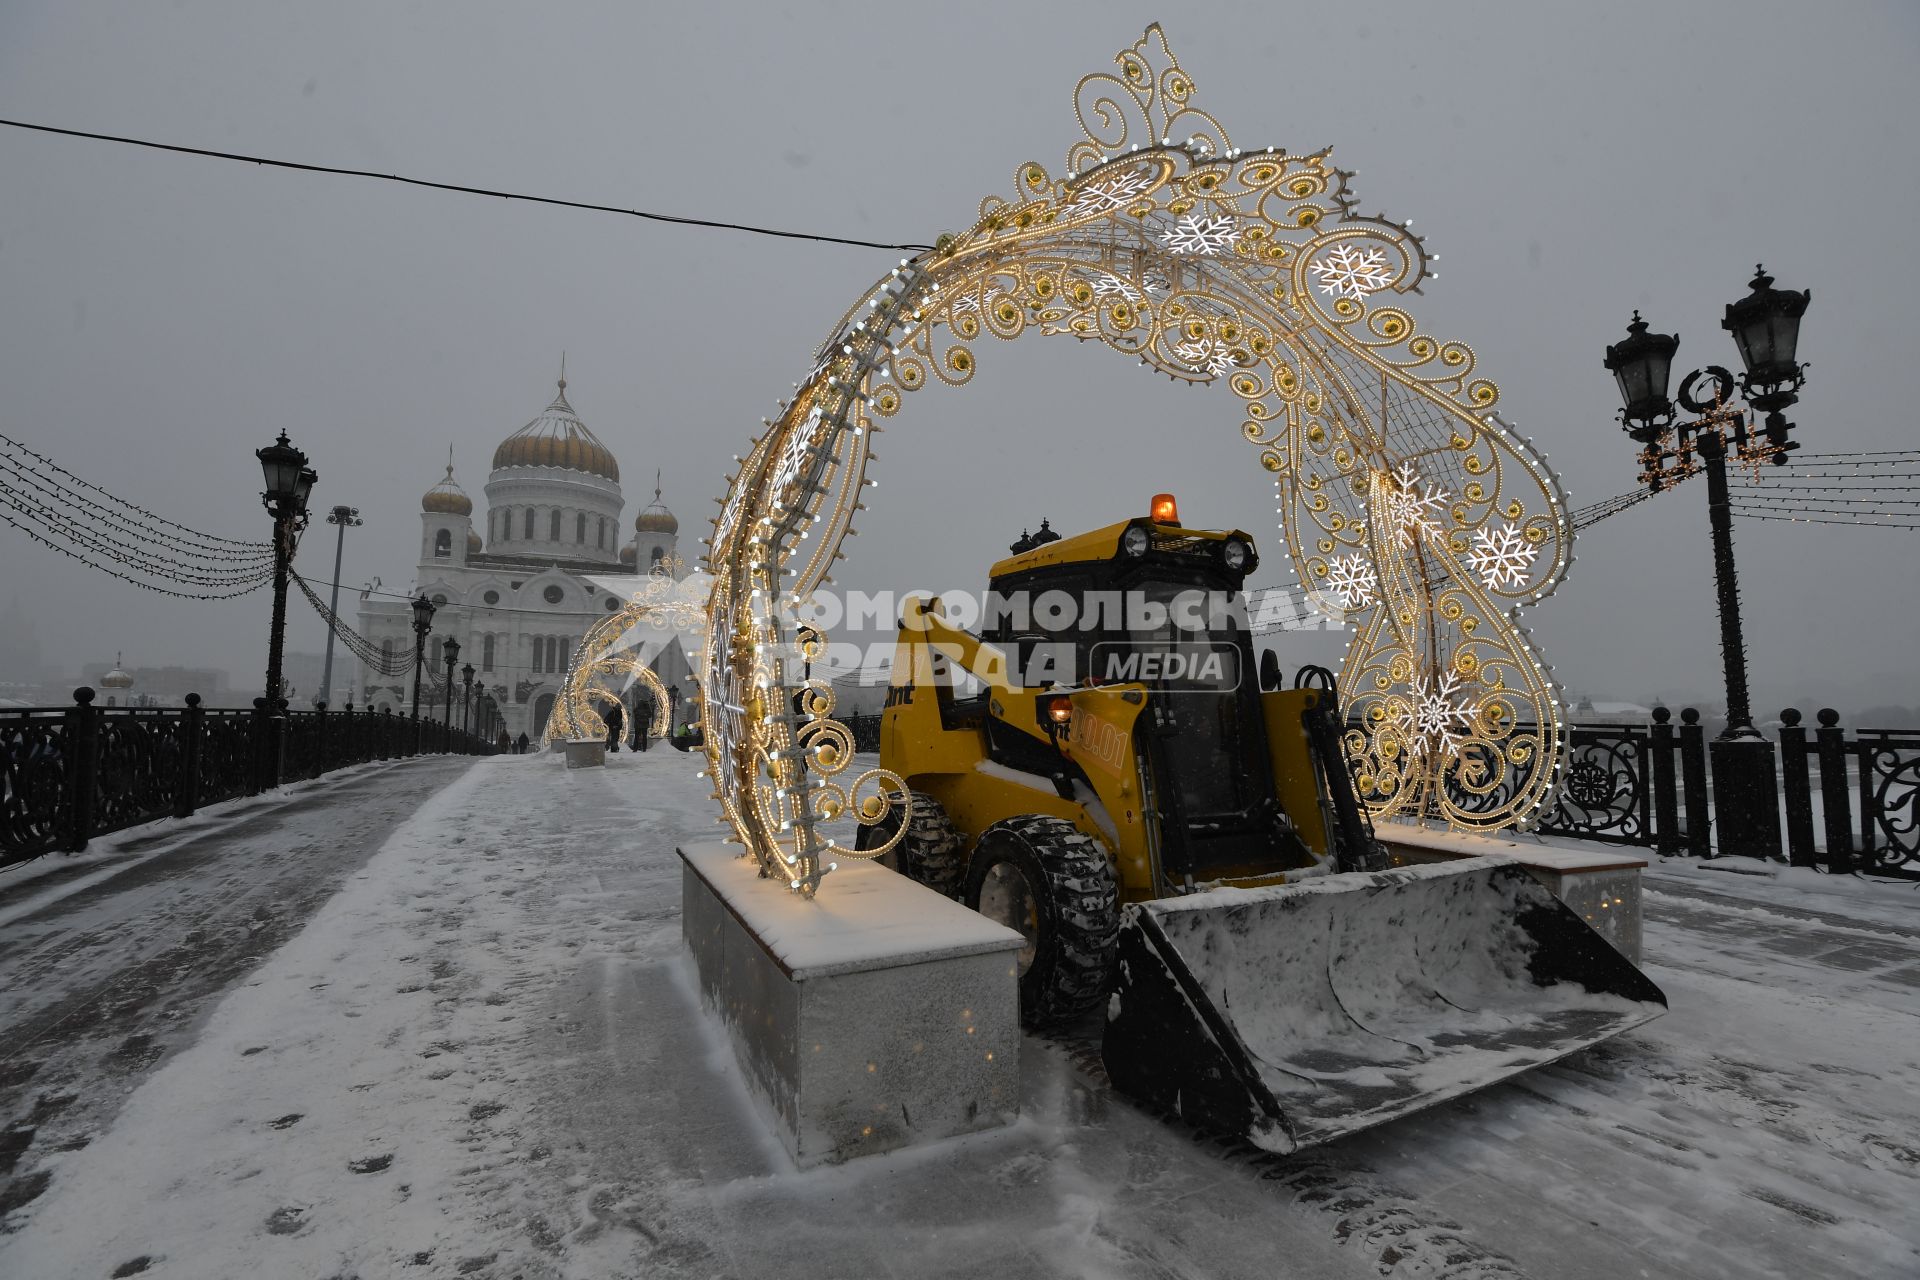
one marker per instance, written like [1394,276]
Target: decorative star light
[1204,235]
[1116,191]
[1355,273]
[1434,718]
[1351,580]
[1413,506]
[1206,355]
[1502,557]
[794,456]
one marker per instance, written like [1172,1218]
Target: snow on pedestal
[875,1016]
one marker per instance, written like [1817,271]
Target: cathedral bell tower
[446,524]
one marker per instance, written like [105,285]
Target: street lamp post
[451,651]
[288,482]
[1766,328]
[422,623]
[466,700]
[343,517]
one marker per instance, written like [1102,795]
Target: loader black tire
[933,853]
[1072,920]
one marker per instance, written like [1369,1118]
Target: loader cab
[1148,602]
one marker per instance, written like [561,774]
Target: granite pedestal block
[586,753]
[874,1016]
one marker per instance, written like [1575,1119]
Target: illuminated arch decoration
[607,653]
[1409,509]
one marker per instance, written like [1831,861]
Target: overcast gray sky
[161,316]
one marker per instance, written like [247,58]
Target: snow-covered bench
[874,1016]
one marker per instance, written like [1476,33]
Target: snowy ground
[482,1057]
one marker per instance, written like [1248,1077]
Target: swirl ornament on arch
[1409,509]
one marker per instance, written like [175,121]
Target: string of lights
[268,162]
[8,443]
[115,523]
[1911,521]
[144,585]
[370,654]
[1871,497]
[1867,458]
[121,528]
[56,523]
[1594,512]
[89,547]
[1785,474]
[111,539]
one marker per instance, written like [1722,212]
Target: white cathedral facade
[521,586]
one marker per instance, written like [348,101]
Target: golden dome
[655,518]
[474,545]
[557,438]
[117,678]
[447,497]
[629,554]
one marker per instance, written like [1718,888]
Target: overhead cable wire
[269,162]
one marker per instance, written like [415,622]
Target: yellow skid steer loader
[1178,839]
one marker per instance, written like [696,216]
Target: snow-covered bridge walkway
[482,1057]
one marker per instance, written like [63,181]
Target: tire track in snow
[1399,1234]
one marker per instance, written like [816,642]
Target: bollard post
[1836,802]
[1666,796]
[1693,778]
[257,758]
[1799,794]
[83,767]
[193,727]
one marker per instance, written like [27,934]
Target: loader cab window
[1188,639]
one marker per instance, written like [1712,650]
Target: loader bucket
[1295,1014]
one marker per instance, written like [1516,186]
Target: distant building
[162,686]
[1586,710]
[520,597]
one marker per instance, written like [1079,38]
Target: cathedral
[519,588]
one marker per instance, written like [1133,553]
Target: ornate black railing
[68,774]
[1847,804]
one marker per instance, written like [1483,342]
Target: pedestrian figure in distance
[616,721]
[642,724]
[503,744]
[520,745]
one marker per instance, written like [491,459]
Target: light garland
[1208,264]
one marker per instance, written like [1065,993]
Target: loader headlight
[1135,541]
[1236,555]
[1060,710]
